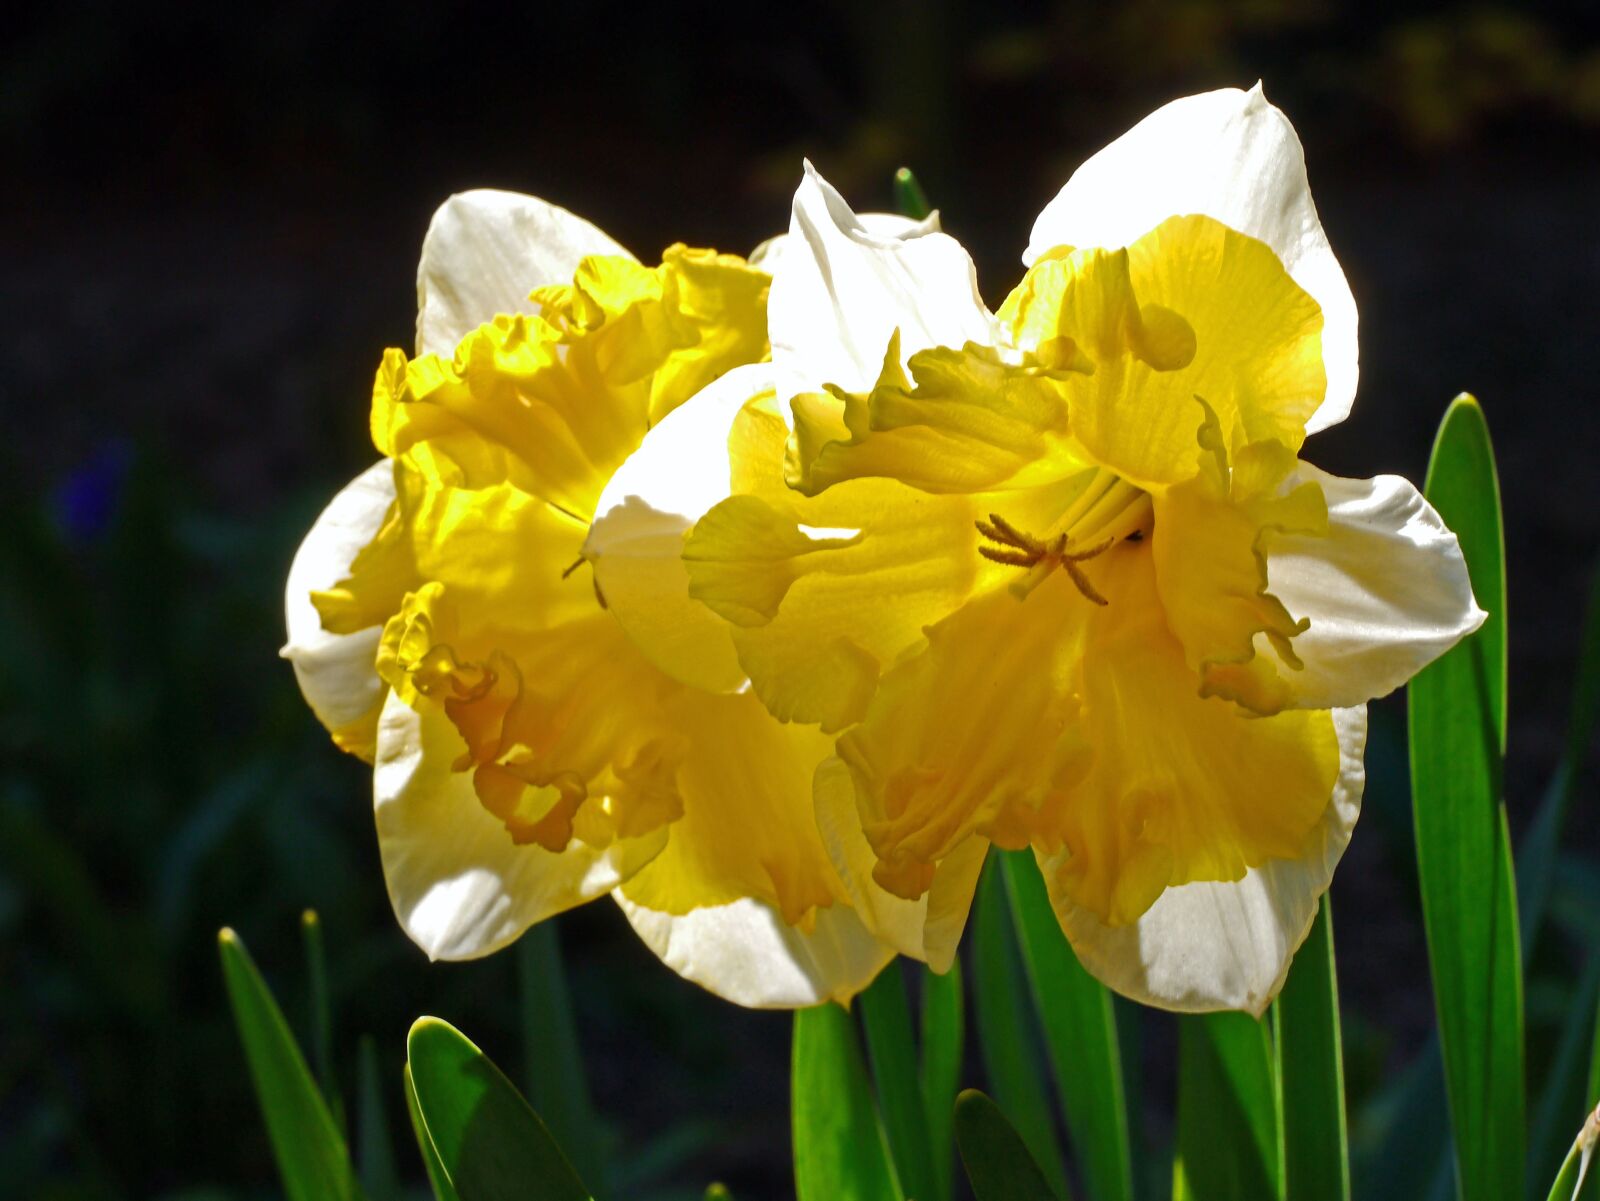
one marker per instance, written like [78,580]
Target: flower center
[1108,510]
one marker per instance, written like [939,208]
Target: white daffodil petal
[485,250]
[1209,946]
[928,928]
[1226,154]
[1386,591]
[636,545]
[745,953]
[459,886]
[335,671]
[840,289]
[769,254]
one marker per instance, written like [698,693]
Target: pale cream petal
[928,928]
[745,953]
[485,250]
[1208,946]
[1386,591]
[840,290]
[1226,154]
[459,886]
[636,545]
[335,671]
[770,253]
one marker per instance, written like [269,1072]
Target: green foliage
[840,1152]
[1080,1030]
[909,198]
[438,1178]
[886,1017]
[557,1085]
[998,1165]
[1230,1129]
[490,1144]
[312,1159]
[1310,1064]
[1006,1036]
[1457,712]
[943,1040]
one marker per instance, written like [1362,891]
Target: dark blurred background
[208,236]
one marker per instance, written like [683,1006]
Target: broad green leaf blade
[438,1178]
[1080,1029]
[998,1165]
[1316,1161]
[1565,1081]
[375,1157]
[1229,1131]
[1536,862]
[558,1089]
[909,198]
[311,1155]
[943,1040]
[1005,1033]
[1457,731]
[492,1146]
[840,1153]
[886,1017]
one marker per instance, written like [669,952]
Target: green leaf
[438,1178]
[909,198]
[943,1041]
[1574,1171]
[886,1017]
[1536,862]
[1457,724]
[1229,1126]
[321,1013]
[1565,1081]
[997,1160]
[1005,1035]
[1080,1029]
[376,1157]
[718,1192]
[840,1153]
[558,1089]
[311,1155]
[492,1146]
[1316,1161]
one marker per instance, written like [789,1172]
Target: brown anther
[576,563]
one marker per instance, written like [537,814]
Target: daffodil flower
[447,623]
[1056,575]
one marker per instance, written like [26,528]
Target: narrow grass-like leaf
[998,1165]
[1230,1144]
[492,1146]
[1536,861]
[909,198]
[1565,1081]
[1080,1029]
[1457,730]
[375,1147]
[840,1153]
[1410,1150]
[320,1010]
[1005,1032]
[558,1088]
[1316,1162]
[718,1192]
[943,1040]
[886,1017]
[1574,1172]
[311,1154]
[438,1178]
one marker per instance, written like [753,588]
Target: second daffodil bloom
[1056,576]
[445,624]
